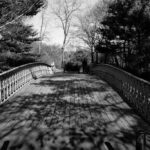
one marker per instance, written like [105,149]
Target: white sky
[54,33]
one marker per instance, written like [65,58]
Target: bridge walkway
[71,111]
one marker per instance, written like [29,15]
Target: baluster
[7,87]
[45,70]
[10,82]
[37,72]
[145,99]
[0,91]
[41,71]
[27,71]
[25,76]
[29,75]
[16,83]
[21,79]
[49,70]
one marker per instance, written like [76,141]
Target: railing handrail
[14,79]
[21,67]
[135,91]
[128,73]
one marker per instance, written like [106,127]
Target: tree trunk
[105,59]
[116,61]
[62,63]
[41,29]
[92,57]
[63,49]
[96,57]
[92,54]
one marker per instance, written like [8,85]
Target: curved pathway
[68,111]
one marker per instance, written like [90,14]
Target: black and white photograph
[74,74]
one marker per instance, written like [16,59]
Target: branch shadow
[71,116]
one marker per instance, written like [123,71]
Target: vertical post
[4,89]
[7,87]
[96,57]
[92,57]
[15,82]
[0,91]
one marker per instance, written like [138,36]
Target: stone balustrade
[12,80]
[135,91]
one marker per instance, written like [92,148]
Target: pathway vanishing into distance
[68,111]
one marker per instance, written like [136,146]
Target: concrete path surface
[68,111]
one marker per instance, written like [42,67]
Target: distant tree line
[77,61]
[15,36]
[53,53]
[49,53]
[120,30]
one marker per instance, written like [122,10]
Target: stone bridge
[43,110]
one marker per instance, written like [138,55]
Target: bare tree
[41,29]
[89,25]
[65,11]
[43,25]
[87,32]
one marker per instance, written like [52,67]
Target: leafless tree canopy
[90,22]
[65,11]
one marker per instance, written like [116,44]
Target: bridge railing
[12,80]
[136,91]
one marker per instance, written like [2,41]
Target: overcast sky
[53,33]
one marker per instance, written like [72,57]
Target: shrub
[70,66]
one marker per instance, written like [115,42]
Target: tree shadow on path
[68,111]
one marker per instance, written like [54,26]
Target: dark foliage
[17,37]
[78,61]
[125,35]
[70,66]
